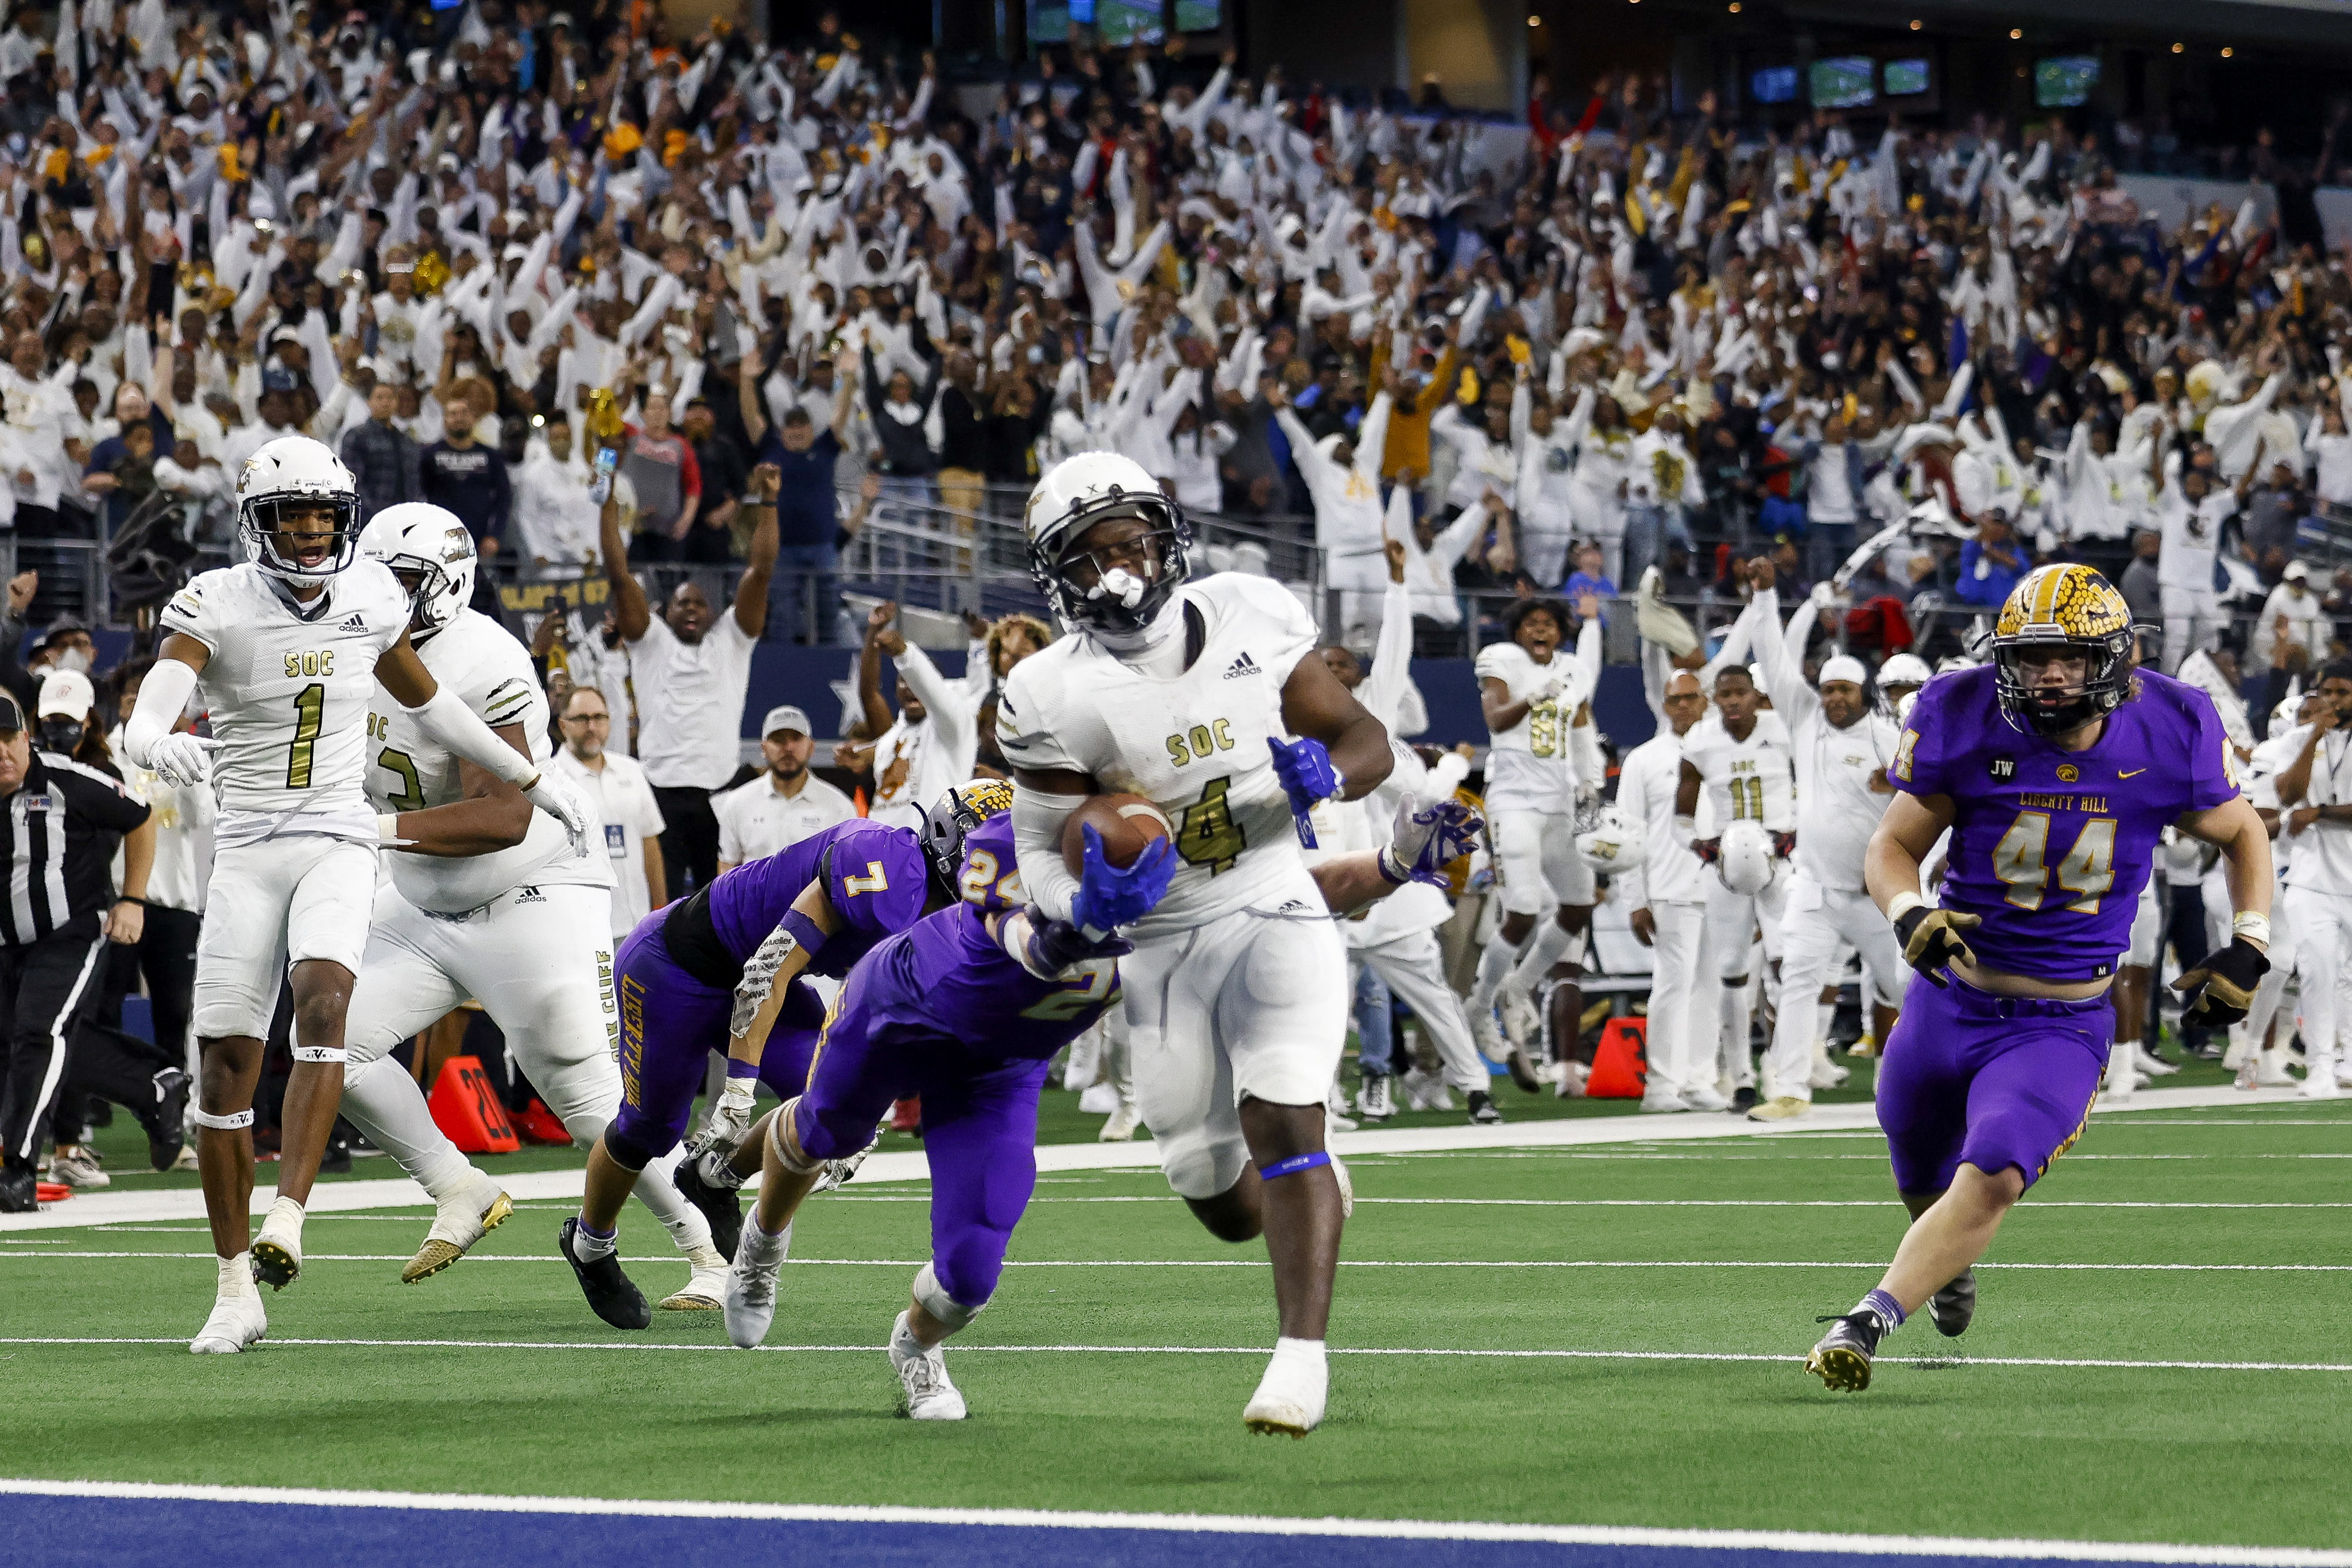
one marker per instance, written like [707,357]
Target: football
[1127,823]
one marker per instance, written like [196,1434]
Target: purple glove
[1307,776]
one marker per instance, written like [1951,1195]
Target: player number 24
[2087,871]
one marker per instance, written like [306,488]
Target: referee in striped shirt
[59,821]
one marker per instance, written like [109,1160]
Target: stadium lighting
[2016,33]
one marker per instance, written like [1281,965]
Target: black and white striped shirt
[62,825]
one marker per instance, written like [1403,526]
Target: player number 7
[2087,871]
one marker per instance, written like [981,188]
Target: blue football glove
[1307,775]
[1057,946]
[1428,836]
[1109,897]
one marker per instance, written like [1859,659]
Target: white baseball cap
[1843,667]
[785,717]
[67,692]
[2296,572]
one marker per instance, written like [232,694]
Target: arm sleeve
[1037,823]
[952,701]
[446,719]
[162,697]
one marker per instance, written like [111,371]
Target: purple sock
[1887,1310]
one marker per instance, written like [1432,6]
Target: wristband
[738,1068]
[130,898]
[1901,905]
[1686,828]
[1393,878]
[804,931]
[2253,924]
[387,830]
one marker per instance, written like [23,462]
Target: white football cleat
[1122,1124]
[236,1323]
[1099,1099]
[2319,1083]
[277,1250]
[459,1222]
[706,1288]
[2270,1071]
[2152,1065]
[930,1394]
[1290,1397]
[1704,1097]
[1570,1082]
[750,1299]
[1662,1099]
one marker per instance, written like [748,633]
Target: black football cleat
[19,1191]
[611,1294]
[1843,1358]
[1482,1109]
[167,1119]
[1953,1307]
[722,1206]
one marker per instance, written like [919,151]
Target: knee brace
[951,1312]
[797,1164]
[626,1152]
[230,1122]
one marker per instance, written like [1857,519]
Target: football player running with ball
[290,647]
[1236,993]
[2056,768]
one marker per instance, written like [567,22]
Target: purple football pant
[1992,1082]
[670,1024]
[980,1131]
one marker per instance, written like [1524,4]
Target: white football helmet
[1744,857]
[1610,846]
[1904,669]
[295,472]
[1122,594]
[432,554]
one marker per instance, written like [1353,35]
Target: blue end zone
[110,1532]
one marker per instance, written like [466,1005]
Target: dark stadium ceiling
[2303,23]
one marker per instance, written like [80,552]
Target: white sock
[236,1277]
[587,1246]
[1542,953]
[902,1334]
[1494,966]
[658,1190]
[761,1246]
[1732,1045]
[1824,1016]
[385,1103]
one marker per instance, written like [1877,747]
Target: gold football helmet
[2063,608]
[949,822]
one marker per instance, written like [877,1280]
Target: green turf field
[1090,1399]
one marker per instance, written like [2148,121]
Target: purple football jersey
[948,976]
[876,875]
[2052,848]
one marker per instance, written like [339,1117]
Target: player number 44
[2087,871]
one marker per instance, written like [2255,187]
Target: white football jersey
[491,674]
[1194,745]
[1531,766]
[289,693]
[1751,779]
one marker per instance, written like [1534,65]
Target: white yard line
[1261,1263]
[1807,1543]
[1939,1363]
[1856,1120]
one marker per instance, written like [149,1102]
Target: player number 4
[1207,834]
[2087,871]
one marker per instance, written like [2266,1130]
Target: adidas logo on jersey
[530,895]
[1292,906]
[1244,666]
[355,622]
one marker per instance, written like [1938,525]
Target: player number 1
[2087,871]
[310,714]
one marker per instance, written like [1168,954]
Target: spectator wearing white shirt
[785,804]
[691,668]
[932,745]
[629,822]
[2305,620]
[2190,510]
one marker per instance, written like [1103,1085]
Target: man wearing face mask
[59,821]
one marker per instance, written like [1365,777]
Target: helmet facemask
[2040,708]
[266,517]
[1119,586]
[951,821]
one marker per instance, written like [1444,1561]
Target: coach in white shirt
[1668,905]
[785,804]
[691,667]
[628,821]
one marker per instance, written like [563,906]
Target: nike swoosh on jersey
[2133,773]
